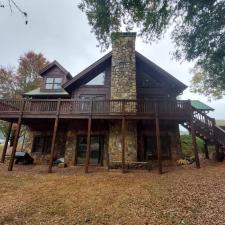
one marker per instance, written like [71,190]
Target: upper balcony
[71,108]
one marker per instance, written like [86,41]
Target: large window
[42,144]
[98,80]
[53,83]
[97,104]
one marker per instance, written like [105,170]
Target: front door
[96,149]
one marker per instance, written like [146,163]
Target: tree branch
[11,4]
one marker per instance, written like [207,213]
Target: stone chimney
[123,86]
[123,74]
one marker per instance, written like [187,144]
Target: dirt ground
[184,196]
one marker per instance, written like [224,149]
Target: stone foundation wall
[42,158]
[176,152]
[66,143]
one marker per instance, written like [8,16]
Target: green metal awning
[38,92]
[200,105]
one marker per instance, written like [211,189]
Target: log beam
[54,136]
[15,142]
[158,141]
[206,150]
[6,142]
[217,149]
[123,144]
[88,150]
[158,144]
[53,144]
[194,144]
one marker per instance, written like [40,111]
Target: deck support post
[193,134]
[158,142]
[206,149]
[6,142]
[88,150]
[123,144]
[53,144]
[56,124]
[217,149]
[107,156]
[15,142]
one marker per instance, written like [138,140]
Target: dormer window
[53,83]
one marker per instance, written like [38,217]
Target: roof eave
[180,84]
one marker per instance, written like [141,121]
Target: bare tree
[12,5]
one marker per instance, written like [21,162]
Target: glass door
[96,149]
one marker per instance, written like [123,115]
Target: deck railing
[99,107]
[220,135]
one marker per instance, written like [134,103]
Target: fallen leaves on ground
[182,196]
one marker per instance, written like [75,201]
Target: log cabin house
[120,111]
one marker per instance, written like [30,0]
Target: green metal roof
[200,105]
[37,91]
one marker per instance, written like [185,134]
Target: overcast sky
[60,31]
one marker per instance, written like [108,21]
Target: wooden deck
[108,109]
[20,109]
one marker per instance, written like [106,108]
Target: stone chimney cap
[123,34]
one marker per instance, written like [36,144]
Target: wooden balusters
[166,109]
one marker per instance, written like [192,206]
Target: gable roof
[68,86]
[51,65]
[98,63]
[161,71]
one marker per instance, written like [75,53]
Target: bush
[182,162]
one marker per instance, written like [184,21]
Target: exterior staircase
[206,129]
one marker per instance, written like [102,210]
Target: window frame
[53,84]
[46,144]
[101,142]
[98,85]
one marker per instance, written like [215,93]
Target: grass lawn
[29,195]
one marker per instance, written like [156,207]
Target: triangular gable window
[98,80]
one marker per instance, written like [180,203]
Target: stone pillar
[123,86]
[176,152]
[115,145]
[28,141]
[70,148]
